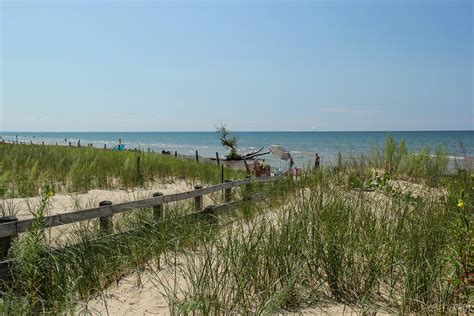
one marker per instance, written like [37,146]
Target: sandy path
[141,294]
[129,297]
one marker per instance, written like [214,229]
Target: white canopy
[279,152]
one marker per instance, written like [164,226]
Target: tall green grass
[387,253]
[51,279]
[341,234]
[422,166]
[25,168]
[376,249]
[27,271]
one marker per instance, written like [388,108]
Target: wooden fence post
[138,166]
[157,209]
[217,158]
[106,225]
[228,192]
[198,199]
[248,188]
[175,154]
[246,166]
[222,173]
[6,242]
[42,143]
[105,146]
[197,156]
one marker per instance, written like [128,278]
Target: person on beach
[260,167]
[265,167]
[256,167]
[317,160]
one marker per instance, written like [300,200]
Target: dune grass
[24,169]
[51,279]
[344,237]
[358,233]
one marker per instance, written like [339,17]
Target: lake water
[302,145]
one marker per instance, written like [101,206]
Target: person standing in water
[291,162]
[317,160]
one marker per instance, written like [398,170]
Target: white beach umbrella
[279,152]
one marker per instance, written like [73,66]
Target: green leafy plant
[228,141]
[29,264]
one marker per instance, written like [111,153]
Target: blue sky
[260,65]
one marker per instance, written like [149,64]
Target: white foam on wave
[449,157]
[166,145]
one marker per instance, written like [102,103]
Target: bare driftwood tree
[228,141]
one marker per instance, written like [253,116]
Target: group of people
[317,161]
[261,168]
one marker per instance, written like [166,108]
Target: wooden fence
[10,227]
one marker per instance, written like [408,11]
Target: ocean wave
[449,156]
[163,145]
[456,157]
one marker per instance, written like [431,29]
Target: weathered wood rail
[105,211]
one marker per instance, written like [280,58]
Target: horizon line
[249,131]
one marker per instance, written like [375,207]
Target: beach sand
[140,294]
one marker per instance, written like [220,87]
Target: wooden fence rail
[12,228]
